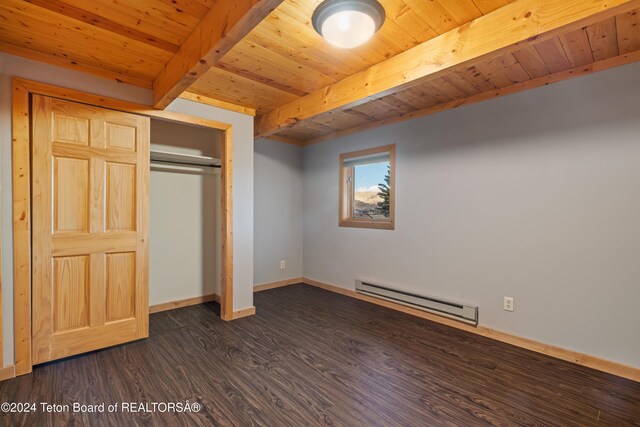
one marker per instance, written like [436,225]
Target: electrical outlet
[508,303]
[282,265]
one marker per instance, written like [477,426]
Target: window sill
[381,225]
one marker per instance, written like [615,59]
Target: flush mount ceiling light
[348,23]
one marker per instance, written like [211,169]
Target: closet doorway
[185,214]
[26,260]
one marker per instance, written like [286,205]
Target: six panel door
[90,199]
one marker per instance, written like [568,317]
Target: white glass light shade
[348,23]
[348,29]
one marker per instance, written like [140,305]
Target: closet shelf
[184,159]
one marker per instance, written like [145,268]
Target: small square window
[367,196]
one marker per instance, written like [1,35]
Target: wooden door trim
[21,175]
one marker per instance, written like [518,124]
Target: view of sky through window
[369,176]
[366,197]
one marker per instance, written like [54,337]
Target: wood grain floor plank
[316,358]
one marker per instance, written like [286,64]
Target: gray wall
[277,211]
[185,213]
[12,66]
[535,196]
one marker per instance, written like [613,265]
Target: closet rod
[175,162]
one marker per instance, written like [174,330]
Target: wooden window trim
[21,175]
[347,188]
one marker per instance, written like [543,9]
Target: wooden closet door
[90,198]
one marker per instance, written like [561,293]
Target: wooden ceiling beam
[502,31]
[203,99]
[604,64]
[226,23]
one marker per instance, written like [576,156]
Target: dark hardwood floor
[312,357]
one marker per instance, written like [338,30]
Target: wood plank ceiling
[611,42]
[283,60]
[125,40]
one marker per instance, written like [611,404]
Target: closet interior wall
[185,256]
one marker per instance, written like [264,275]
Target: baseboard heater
[454,310]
